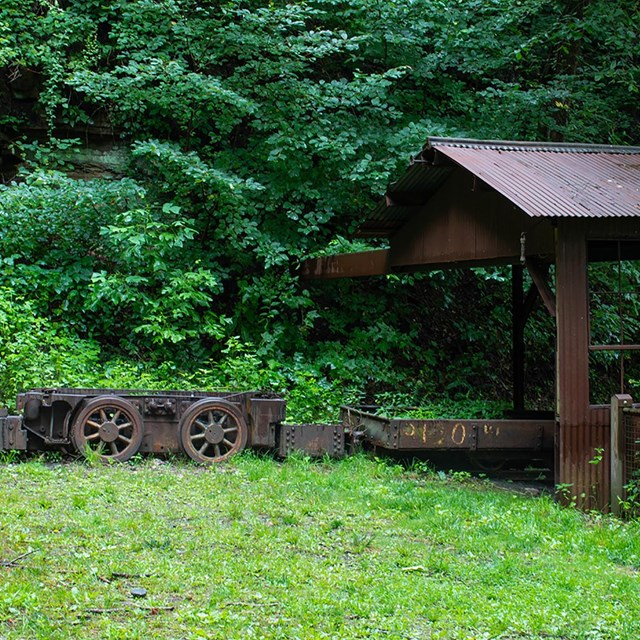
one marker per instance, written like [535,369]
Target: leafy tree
[256,133]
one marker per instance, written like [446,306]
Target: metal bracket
[473,438]
[540,438]
[12,433]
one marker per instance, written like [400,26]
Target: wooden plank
[462,227]
[347,265]
[539,276]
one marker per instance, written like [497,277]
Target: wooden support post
[618,402]
[583,436]
[518,319]
[539,275]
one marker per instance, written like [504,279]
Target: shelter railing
[625,451]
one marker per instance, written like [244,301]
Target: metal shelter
[533,206]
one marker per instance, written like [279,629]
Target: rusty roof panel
[414,188]
[520,145]
[550,179]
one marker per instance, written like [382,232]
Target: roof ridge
[519,145]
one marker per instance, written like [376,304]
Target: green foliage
[356,548]
[35,352]
[257,132]
[399,406]
[50,239]
[630,505]
[153,286]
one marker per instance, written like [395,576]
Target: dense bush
[256,133]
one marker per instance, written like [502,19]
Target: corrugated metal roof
[544,179]
[414,188]
[550,179]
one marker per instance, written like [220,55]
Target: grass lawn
[263,549]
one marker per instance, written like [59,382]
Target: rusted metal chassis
[482,436]
[115,424]
[209,427]
[146,421]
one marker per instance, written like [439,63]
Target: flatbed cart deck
[482,440]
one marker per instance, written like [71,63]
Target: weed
[361,541]
[354,548]
[422,467]
[597,456]
[9,457]
[460,476]
[94,457]
[136,459]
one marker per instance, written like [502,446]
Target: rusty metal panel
[160,435]
[374,428]
[553,180]
[584,463]
[442,435]
[12,433]
[584,431]
[265,413]
[475,435]
[313,439]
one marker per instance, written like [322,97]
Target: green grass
[262,549]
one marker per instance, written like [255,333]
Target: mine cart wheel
[212,430]
[109,426]
[487,464]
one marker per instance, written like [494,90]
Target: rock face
[102,152]
[98,157]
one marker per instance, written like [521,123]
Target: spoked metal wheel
[212,430]
[489,464]
[109,426]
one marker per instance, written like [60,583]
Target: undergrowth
[359,548]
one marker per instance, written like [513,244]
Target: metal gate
[625,454]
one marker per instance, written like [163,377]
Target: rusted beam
[446,435]
[539,276]
[347,265]
[582,430]
[315,440]
[474,435]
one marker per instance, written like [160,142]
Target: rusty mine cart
[210,427]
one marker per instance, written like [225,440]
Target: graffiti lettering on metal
[491,430]
[458,433]
[423,433]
